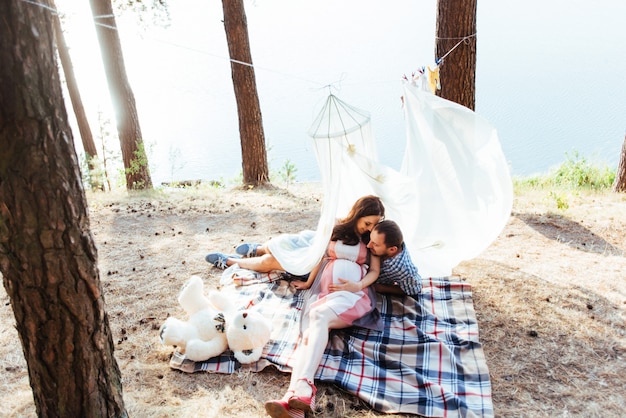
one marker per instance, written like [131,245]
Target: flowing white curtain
[451,197]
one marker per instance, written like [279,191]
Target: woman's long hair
[345,230]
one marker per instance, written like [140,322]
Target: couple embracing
[366,254]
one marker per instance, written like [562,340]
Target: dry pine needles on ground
[549,296]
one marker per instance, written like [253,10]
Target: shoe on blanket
[219,259]
[247,249]
[305,403]
[281,409]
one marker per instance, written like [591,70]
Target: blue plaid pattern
[427,361]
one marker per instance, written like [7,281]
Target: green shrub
[288,172]
[560,199]
[575,172]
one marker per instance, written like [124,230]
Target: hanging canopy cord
[462,40]
[336,85]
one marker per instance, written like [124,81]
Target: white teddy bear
[214,325]
[247,331]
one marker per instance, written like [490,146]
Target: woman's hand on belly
[345,285]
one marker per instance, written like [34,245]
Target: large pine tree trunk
[620,176]
[122,97]
[253,151]
[77,102]
[48,258]
[456,20]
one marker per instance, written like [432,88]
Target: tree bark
[86,135]
[128,128]
[456,22]
[619,185]
[252,137]
[48,257]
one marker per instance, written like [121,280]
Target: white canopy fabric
[451,197]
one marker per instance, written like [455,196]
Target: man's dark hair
[392,233]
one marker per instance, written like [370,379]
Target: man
[398,275]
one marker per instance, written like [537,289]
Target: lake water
[550,78]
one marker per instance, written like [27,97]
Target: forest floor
[549,295]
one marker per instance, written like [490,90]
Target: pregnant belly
[348,270]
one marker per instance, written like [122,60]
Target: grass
[576,172]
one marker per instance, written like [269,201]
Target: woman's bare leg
[262,249]
[262,264]
[321,320]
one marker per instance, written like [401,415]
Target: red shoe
[305,403]
[281,409]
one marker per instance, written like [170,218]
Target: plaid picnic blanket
[427,361]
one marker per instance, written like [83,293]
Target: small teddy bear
[214,325]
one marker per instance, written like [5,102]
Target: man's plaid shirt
[401,271]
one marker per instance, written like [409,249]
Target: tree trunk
[77,103]
[620,176]
[253,152]
[456,20]
[48,257]
[122,97]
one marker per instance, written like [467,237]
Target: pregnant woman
[341,298]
